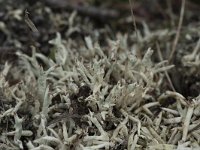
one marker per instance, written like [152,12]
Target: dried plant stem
[174,112]
[196,135]
[194,127]
[176,138]
[135,140]
[23,133]
[158,120]
[133,18]
[187,122]
[91,11]
[166,73]
[170,12]
[146,108]
[172,136]
[132,119]
[178,97]
[197,48]
[29,22]
[178,31]
[156,136]
[173,120]
[192,56]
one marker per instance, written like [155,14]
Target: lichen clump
[95,98]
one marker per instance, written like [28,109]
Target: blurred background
[51,16]
[102,21]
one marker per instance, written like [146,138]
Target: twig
[91,11]
[174,132]
[64,117]
[174,112]
[173,120]
[156,135]
[29,22]
[133,18]
[166,73]
[170,12]
[178,31]
[187,122]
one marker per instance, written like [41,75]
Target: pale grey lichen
[103,98]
